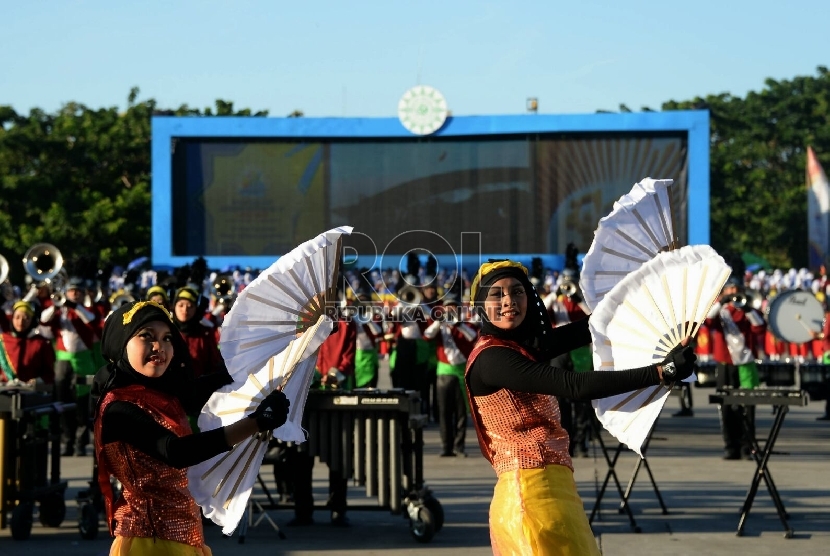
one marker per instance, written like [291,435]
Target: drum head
[795,315]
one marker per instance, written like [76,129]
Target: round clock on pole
[422,110]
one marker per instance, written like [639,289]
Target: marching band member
[369,330]
[198,333]
[74,327]
[426,350]
[774,347]
[732,349]
[454,341]
[100,308]
[25,354]
[536,507]
[158,294]
[409,358]
[388,300]
[336,365]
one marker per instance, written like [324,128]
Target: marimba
[376,438]
[815,380]
[781,399]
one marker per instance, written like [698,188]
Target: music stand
[780,399]
[612,474]
[248,518]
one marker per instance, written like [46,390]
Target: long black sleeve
[570,336]
[199,391]
[126,422]
[500,367]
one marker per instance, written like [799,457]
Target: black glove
[69,304]
[272,412]
[678,364]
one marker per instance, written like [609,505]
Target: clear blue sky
[353,58]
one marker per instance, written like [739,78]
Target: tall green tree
[80,179]
[758,157]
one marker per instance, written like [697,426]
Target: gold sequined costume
[155,502]
[536,509]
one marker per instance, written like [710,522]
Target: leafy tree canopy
[80,179]
[758,157]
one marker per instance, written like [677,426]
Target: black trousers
[452,413]
[685,396]
[737,421]
[300,465]
[432,392]
[65,393]
[577,420]
[411,375]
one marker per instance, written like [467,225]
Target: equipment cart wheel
[422,526]
[434,506]
[21,523]
[88,521]
[52,510]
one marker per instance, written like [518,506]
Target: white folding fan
[639,226]
[223,484]
[281,303]
[641,319]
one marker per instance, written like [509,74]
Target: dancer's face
[506,303]
[151,349]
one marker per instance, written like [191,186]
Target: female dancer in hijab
[536,508]
[142,436]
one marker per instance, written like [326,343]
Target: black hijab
[120,327]
[534,334]
[192,326]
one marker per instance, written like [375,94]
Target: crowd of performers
[60,344]
[519,376]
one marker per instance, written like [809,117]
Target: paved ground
[702,492]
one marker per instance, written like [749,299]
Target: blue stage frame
[166,128]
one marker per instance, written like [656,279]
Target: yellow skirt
[539,512]
[138,546]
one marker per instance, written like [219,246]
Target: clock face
[422,110]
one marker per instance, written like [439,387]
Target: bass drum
[796,316]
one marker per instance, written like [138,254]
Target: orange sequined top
[155,501]
[517,430]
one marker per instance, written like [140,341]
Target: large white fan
[639,226]
[223,484]
[281,303]
[639,321]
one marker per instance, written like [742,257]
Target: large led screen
[527,194]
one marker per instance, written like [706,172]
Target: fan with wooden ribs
[639,226]
[641,319]
[269,341]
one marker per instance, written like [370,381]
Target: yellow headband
[24,306]
[487,268]
[157,290]
[187,293]
[128,316]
